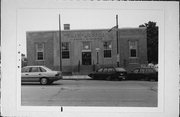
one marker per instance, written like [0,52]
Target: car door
[112,72]
[105,73]
[35,74]
[142,74]
[99,73]
[25,74]
[134,75]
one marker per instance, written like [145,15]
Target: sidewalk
[77,77]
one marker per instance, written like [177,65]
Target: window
[133,48]
[65,50]
[25,69]
[105,70]
[40,51]
[42,69]
[136,71]
[142,70]
[100,70]
[34,69]
[110,70]
[86,45]
[107,49]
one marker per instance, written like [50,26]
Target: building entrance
[86,58]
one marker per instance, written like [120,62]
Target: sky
[48,19]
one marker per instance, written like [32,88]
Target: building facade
[83,51]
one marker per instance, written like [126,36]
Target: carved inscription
[85,35]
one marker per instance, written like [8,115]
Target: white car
[40,74]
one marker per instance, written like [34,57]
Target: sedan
[40,74]
[109,73]
[149,74]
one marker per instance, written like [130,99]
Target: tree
[23,60]
[152,41]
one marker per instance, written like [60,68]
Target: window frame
[42,51]
[133,48]
[68,44]
[83,47]
[105,51]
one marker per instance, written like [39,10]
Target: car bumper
[56,78]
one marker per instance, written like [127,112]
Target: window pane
[65,54]
[110,70]
[136,70]
[40,56]
[100,70]
[86,46]
[107,45]
[39,51]
[107,53]
[133,52]
[40,47]
[133,44]
[42,69]
[65,50]
[105,70]
[34,69]
[65,46]
[25,69]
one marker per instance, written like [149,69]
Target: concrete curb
[77,77]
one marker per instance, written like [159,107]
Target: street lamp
[97,51]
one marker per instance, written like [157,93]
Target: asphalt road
[91,93]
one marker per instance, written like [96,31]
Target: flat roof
[128,28]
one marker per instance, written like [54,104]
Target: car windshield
[120,69]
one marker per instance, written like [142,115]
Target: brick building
[86,50]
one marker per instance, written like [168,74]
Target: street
[91,93]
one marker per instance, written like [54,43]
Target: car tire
[44,81]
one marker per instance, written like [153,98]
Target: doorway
[86,58]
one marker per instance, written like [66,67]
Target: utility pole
[60,48]
[118,57]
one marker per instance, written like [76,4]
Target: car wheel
[43,81]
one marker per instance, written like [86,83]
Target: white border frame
[168,60]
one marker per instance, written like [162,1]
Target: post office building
[83,51]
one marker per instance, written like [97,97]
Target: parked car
[40,74]
[109,73]
[149,74]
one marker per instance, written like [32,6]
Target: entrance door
[86,58]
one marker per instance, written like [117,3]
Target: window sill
[40,60]
[107,57]
[133,57]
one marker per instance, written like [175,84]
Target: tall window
[39,51]
[133,48]
[107,49]
[65,50]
